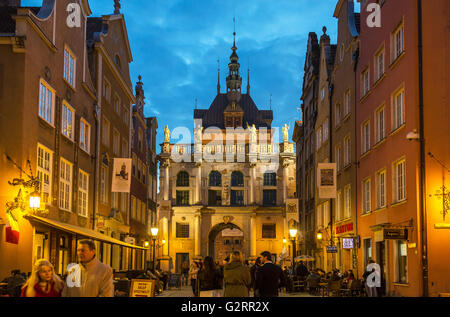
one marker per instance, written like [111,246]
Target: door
[381,260]
[181,257]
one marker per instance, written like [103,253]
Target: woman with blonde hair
[236,277]
[43,282]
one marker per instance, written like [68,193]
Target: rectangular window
[269,231]
[124,148]
[182,197]
[337,114]
[269,197]
[68,117]
[319,138]
[105,132]
[401,254]
[400,181]
[182,230]
[398,109]
[381,189]
[347,103]
[46,101]
[319,216]
[117,104]
[365,82]
[85,133]
[133,207]
[140,139]
[69,66]
[347,151]
[83,193]
[379,64]
[339,206]
[237,197]
[347,201]
[366,196]
[367,244]
[397,43]
[325,130]
[125,116]
[44,172]
[65,185]
[365,137]
[270,179]
[338,157]
[380,133]
[106,90]
[116,142]
[214,197]
[103,184]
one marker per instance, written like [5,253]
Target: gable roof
[213,117]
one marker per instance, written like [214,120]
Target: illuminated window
[46,101]
[44,172]
[83,193]
[65,185]
[69,66]
[85,132]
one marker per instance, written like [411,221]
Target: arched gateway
[220,246]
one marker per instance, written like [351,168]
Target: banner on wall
[121,179]
[326,180]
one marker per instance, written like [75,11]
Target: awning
[85,232]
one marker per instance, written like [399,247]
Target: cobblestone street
[186,291]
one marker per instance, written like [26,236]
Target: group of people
[234,278]
[96,278]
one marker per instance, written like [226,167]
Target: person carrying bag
[209,280]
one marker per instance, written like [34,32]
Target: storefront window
[402,261]
[367,251]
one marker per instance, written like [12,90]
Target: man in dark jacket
[302,270]
[269,277]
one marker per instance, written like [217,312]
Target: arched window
[183,179]
[215,179]
[270,179]
[237,179]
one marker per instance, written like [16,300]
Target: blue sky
[176,44]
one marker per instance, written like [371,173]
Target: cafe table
[323,286]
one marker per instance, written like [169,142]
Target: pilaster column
[165,236]
[198,184]
[166,180]
[252,182]
[197,235]
[253,235]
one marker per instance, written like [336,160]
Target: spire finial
[117,6]
[140,78]
[234,31]
[324,29]
[218,76]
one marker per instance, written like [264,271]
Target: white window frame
[381,188]
[379,64]
[126,116]
[380,124]
[45,172]
[70,66]
[83,193]
[106,89]
[117,104]
[365,137]
[85,135]
[67,120]
[398,41]
[65,185]
[399,181]
[365,82]
[46,110]
[366,201]
[347,201]
[347,150]
[347,102]
[398,110]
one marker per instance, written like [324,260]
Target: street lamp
[319,236]
[154,231]
[35,200]
[293,234]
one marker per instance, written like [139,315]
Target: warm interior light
[293,232]
[146,244]
[319,236]
[164,242]
[284,240]
[154,231]
[35,200]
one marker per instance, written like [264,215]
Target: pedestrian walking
[237,279]
[43,281]
[96,277]
[209,279]
[193,277]
[253,270]
[184,273]
[269,277]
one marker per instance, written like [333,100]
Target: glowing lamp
[154,231]
[319,236]
[293,232]
[146,244]
[35,200]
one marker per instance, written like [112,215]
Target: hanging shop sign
[142,288]
[344,228]
[395,234]
[332,249]
[326,180]
[347,243]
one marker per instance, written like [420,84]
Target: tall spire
[248,77]
[218,76]
[234,80]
